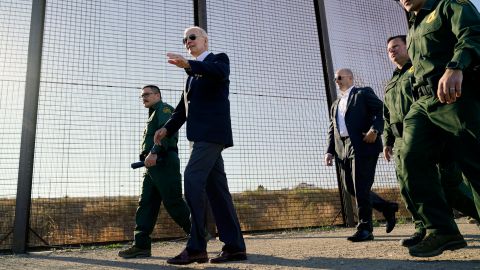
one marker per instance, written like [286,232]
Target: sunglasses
[191,37]
[339,78]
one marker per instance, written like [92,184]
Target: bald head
[344,79]
[345,71]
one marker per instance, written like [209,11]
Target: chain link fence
[96,56]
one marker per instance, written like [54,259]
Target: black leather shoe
[226,256]
[186,258]
[389,215]
[416,238]
[360,236]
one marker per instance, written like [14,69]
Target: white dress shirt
[341,110]
[202,56]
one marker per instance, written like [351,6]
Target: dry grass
[66,221]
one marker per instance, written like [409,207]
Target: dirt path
[313,249]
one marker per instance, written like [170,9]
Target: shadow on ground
[267,262]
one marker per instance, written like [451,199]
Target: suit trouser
[424,128]
[205,176]
[160,183]
[358,173]
[458,194]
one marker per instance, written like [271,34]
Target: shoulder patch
[167,110]
[432,16]
[411,69]
[464,2]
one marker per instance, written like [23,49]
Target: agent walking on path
[398,99]
[161,182]
[444,45]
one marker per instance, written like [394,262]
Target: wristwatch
[156,149]
[454,65]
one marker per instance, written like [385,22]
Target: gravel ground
[303,249]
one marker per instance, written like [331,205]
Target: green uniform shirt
[443,32]
[398,98]
[158,115]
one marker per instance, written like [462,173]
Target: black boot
[416,238]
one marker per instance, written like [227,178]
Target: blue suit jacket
[207,91]
[364,112]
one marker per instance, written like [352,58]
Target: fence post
[30,108]
[328,74]
[200,14]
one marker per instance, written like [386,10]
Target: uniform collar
[407,66]
[404,68]
[427,7]
[430,4]
[155,107]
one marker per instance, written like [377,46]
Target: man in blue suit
[205,107]
[356,121]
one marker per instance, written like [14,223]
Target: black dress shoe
[360,236]
[416,238]
[389,215]
[226,256]
[186,258]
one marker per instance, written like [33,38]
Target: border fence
[71,123]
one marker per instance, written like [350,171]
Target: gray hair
[202,32]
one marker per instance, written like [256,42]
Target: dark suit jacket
[207,91]
[364,112]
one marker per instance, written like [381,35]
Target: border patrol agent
[161,181]
[444,45]
[398,99]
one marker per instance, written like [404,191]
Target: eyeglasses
[191,37]
[339,78]
[145,95]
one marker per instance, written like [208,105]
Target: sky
[97,54]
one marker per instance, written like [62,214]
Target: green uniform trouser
[161,183]
[424,133]
[457,193]
[402,183]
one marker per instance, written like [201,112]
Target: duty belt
[422,90]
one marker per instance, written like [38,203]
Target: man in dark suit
[205,107]
[356,121]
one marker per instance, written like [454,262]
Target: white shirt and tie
[341,111]
[201,57]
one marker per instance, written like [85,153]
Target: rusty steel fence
[71,122]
